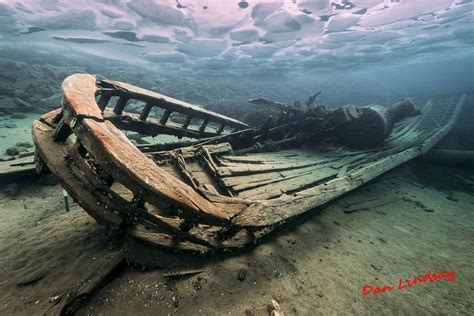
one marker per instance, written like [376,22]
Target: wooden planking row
[241,183]
[17,168]
[287,186]
[270,180]
[247,168]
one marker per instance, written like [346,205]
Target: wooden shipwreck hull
[208,193]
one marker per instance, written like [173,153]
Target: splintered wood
[221,191]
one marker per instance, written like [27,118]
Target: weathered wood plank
[288,185]
[192,151]
[247,169]
[264,213]
[165,240]
[347,160]
[342,171]
[170,103]
[235,161]
[239,183]
[16,167]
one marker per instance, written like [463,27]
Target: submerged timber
[229,186]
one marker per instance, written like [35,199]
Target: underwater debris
[180,273]
[312,99]
[12,152]
[274,308]
[232,184]
[354,126]
[242,275]
[12,189]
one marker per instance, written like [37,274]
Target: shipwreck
[222,184]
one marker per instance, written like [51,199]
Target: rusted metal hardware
[353,126]
[208,192]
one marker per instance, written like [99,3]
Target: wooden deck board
[285,186]
[16,167]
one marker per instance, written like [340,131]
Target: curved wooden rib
[54,155]
[109,146]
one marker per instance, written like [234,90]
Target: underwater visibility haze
[359,51]
[286,203]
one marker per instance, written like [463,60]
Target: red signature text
[403,284]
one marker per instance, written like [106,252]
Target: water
[219,54]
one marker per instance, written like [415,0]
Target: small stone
[175,301]
[12,189]
[25,145]
[451,197]
[31,278]
[55,299]
[12,151]
[250,311]
[242,274]
[47,180]
[376,268]
[196,285]
[9,125]
[18,116]
[274,308]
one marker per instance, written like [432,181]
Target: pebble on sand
[12,151]
[242,274]
[18,116]
[274,309]
[25,144]
[451,197]
[12,189]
